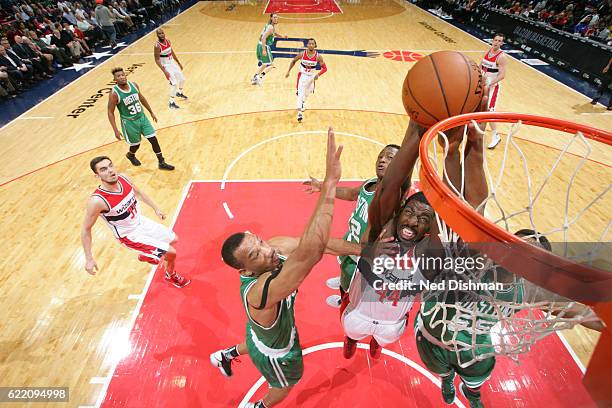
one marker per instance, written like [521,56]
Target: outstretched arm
[335,246]
[342,193]
[145,103]
[293,61]
[94,207]
[388,193]
[312,243]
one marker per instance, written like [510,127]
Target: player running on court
[167,61]
[264,49]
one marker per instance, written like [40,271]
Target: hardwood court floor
[59,324]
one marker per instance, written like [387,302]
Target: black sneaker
[173,105]
[181,95]
[448,388]
[594,101]
[218,359]
[472,397]
[132,158]
[165,166]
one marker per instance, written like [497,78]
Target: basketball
[441,85]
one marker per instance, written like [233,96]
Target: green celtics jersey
[282,333]
[129,102]
[270,39]
[457,322]
[358,221]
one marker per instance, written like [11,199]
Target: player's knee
[171,251]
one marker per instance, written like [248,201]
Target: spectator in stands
[7,88]
[104,18]
[582,25]
[59,55]
[77,35]
[123,9]
[93,34]
[46,58]
[66,41]
[28,56]
[122,24]
[15,68]
[560,20]
[69,16]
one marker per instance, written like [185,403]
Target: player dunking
[166,60]
[493,66]
[264,50]
[126,96]
[269,280]
[308,74]
[115,202]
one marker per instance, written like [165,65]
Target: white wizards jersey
[308,64]
[123,216]
[376,298]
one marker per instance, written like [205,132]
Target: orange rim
[571,279]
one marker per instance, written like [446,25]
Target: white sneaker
[255,80]
[495,141]
[333,283]
[334,301]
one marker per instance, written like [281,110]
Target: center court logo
[90,102]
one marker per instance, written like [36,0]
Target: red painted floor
[176,330]
[302,6]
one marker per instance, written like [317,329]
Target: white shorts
[357,327]
[176,75]
[305,84]
[151,239]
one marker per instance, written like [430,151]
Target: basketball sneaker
[375,349]
[495,141]
[177,280]
[350,346]
[181,95]
[224,364]
[132,158]
[173,105]
[334,301]
[165,166]
[448,388]
[472,397]
[300,117]
[333,283]
[255,80]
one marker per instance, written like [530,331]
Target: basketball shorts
[357,327]
[493,96]
[268,59]
[133,129]
[150,238]
[442,362]
[282,370]
[305,84]
[176,75]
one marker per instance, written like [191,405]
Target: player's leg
[493,98]
[172,80]
[282,373]
[473,378]
[355,328]
[301,89]
[264,63]
[131,134]
[437,360]
[222,359]
[385,334]
[180,77]
[148,132]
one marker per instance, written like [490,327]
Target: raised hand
[312,186]
[333,168]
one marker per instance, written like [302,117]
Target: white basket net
[563,195]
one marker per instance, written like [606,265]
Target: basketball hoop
[581,278]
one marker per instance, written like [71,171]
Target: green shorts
[268,59]
[133,129]
[442,362]
[282,371]
[347,271]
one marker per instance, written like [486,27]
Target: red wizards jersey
[165,50]
[489,64]
[122,215]
[308,64]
